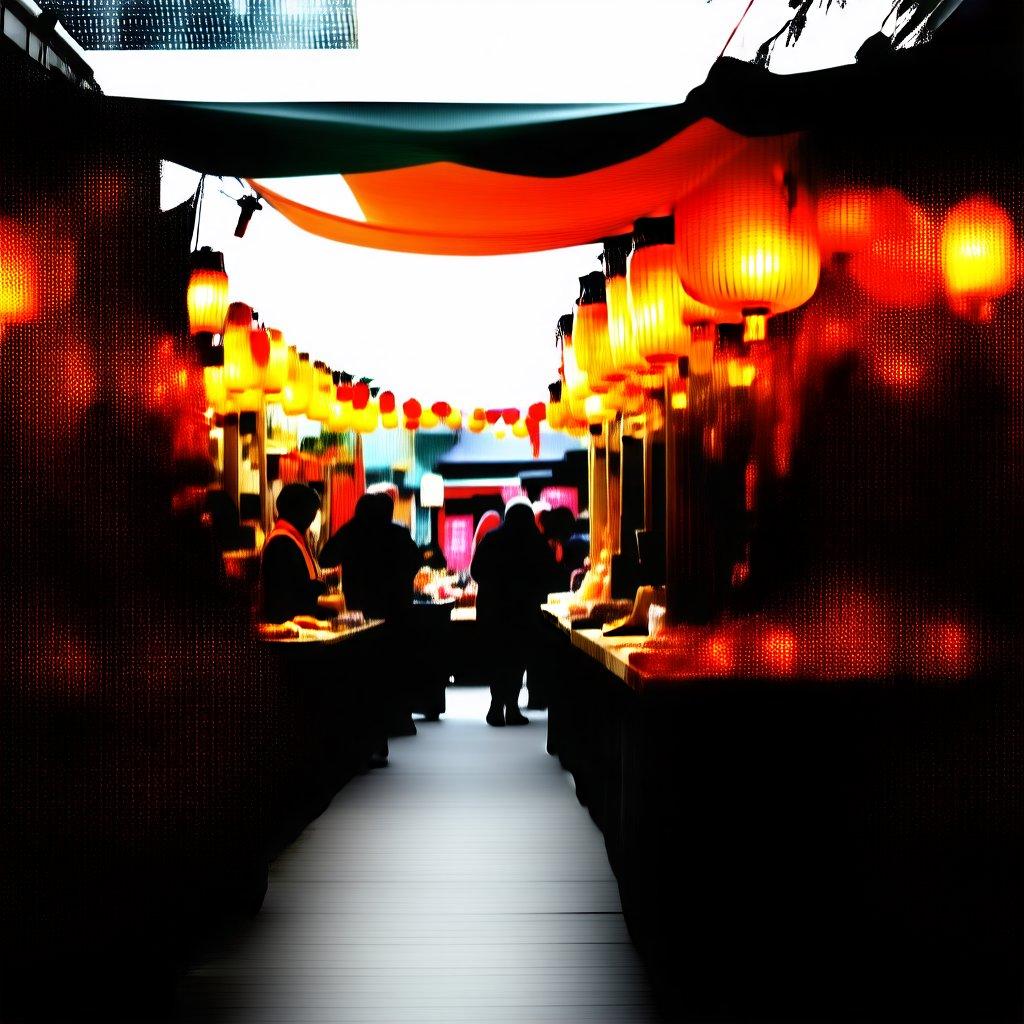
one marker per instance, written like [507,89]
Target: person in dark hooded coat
[289,575]
[512,568]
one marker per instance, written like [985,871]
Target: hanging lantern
[746,242]
[277,365]
[625,352]
[389,420]
[900,266]
[845,222]
[520,430]
[340,414]
[207,292]
[978,256]
[493,416]
[510,416]
[360,396]
[246,352]
[322,393]
[453,421]
[294,399]
[250,400]
[590,333]
[655,294]
[577,386]
[412,409]
[412,423]
[387,402]
[429,419]
[538,411]
[19,274]
[477,426]
[442,410]
[740,372]
[216,392]
[367,418]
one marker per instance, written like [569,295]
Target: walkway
[463,883]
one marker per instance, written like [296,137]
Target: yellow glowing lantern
[277,365]
[655,294]
[453,421]
[207,295]
[367,419]
[519,429]
[429,419]
[625,353]
[241,372]
[250,400]
[577,385]
[978,256]
[294,394]
[590,333]
[746,242]
[321,393]
[477,426]
[216,392]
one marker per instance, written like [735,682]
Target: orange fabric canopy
[452,210]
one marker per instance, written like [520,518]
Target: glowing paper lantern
[978,256]
[207,295]
[294,397]
[19,274]
[216,392]
[241,372]
[366,419]
[624,350]
[845,221]
[442,410]
[389,420]
[537,411]
[277,364]
[510,416]
[322,394]
[360,396]
[740,373]
[412,409]
[655,294]
[453,421]
[900,266]
[387,403]
[519,429]
[429,419]
[590,333]
[597,410]
[746,242]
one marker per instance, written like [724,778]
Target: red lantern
[412,409]
[442,410]
[387,402]
[493,415]
[360,396]
[538,411]
[510,416]
[590,334]
[846,221]
[900,266]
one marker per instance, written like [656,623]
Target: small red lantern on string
[387,402]
[538,411]
[493,415]
[360,396]
[442,410]
[412,409]
[590,333]
[510,416]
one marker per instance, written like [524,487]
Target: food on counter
[278,630]
[311,622]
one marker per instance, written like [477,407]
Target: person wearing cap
[512,568]
[289,575]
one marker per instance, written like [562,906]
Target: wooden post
[598,486]
[232,456]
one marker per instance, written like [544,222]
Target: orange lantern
[519,429]
[978,256]
[207,292]
[216,392]
[577,386]
[277,364]
[900,266]
[845,221]
[590,333]
[625,353]
[746,242]
[295,393]
[453,421]
[655,294]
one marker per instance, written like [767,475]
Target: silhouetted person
[378,560]
[290,580]
[512,568]
[558,526]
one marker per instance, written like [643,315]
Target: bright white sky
[470,330]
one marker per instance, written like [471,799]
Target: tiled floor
[461,883]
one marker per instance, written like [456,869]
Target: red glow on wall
[779,652]
[19,274]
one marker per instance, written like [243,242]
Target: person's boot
[513,716]
[495,715]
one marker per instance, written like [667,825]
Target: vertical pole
[598,494]
[613,446]
[232,456]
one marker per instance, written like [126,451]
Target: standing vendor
[289,575]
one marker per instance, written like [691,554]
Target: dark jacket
[512,568]
[289,585]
